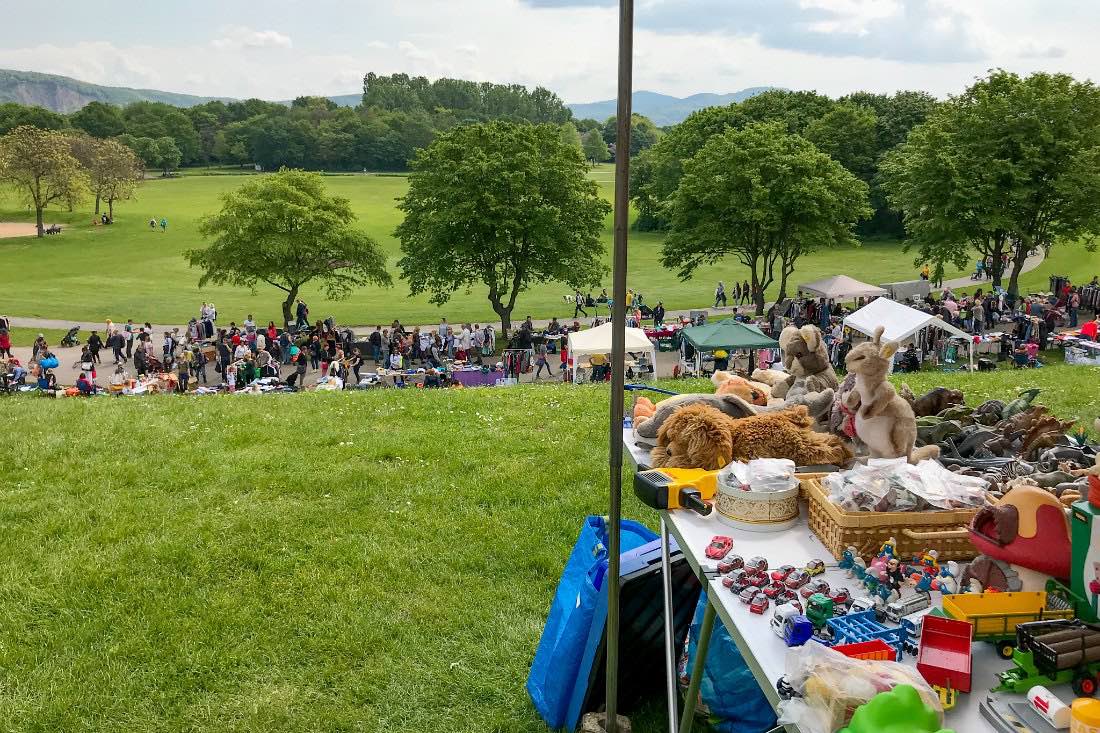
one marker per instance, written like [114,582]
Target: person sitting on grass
[86,386]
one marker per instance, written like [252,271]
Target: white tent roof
[900,321]
[598,340]
[841,287]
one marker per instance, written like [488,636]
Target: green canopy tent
[728,335]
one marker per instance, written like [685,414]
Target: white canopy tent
[598,341]
[841,287]
[901,322]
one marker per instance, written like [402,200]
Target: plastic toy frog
[898,711]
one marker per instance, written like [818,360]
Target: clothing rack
[516,362]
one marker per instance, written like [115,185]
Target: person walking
[579,299]
[477,339]
[153,224]
[224,357]
[720,294]
[163,224]
[95,343]
[301,315]
[183,371]
[115,342]
[659,314]
[977,314]
[542,361]
[354,363]
[5,343]
[375,340]
[1074,304]
[745,292]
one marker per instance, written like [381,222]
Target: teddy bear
[756,393]
[806,358]
[700,436]
[648,418]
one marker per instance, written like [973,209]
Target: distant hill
[62,94]
[662,108]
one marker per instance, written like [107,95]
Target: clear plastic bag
[830,686]
[763,474]
[896,486]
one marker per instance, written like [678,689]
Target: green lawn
[127,271]
[378,561]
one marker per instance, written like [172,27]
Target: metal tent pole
[618,351]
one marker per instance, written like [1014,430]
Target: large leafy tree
[40,166]
[113,169]
[595,149]
[99,119]
[14,115]
[1010,166]
[848,134]
[502,205]
[285,230]
[643,133]
[765,197]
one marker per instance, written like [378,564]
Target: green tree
[99,119]
[113,169]
[595,149]
[168,154]
[643,133]
[503,205]
[146,149]
[569,135]
[157,120]
[849,135]
[40,166]
[1010,166]
[765,197]
[14,115]
[285,230]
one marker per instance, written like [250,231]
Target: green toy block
[899,710]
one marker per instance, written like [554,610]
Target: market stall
[841,288]
[598,341]
[901,323]
[728,335]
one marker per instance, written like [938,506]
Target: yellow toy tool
[677,488]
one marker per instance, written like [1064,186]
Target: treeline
[399,115]
[857,131]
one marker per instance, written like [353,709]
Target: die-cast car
[758,563]
[815,586]
[734,578]
[840,596]
[759,603]
[748,594]
[731,563]
[780,573]
[815,567]
[719,547]
[774,590]
[797,579]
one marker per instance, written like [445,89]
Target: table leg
[670,633]
[701,649]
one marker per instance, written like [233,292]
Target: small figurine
[894,575]
[929,561]
[889,548]
[847,558]
[946,582]
[870,582]
[924,583]
[858,569]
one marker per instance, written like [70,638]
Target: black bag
[218,367]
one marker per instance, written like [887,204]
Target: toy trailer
[995,616]
[1055,652]
[863,626]
[876,649]
[944,657]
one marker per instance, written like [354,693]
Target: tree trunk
[757,291]
[291,296]
[97,205]
[505,313]
[110,210]
[1019,255]
[38,218]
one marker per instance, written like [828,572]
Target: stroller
[70,338]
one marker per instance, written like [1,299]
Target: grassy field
[127,271]
[376,561]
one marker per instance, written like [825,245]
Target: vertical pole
[618,350]
[670,631]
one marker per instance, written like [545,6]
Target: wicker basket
[915,532]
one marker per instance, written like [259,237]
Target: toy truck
[1054,652]
[944,657]
[863,626]
[819,609]
[995,616]
[908,605]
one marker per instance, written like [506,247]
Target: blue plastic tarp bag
[729,694]
[557,661]
[50,362]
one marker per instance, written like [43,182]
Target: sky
[279,49]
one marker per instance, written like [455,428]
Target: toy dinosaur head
[871,358]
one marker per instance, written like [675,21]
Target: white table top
[765,652]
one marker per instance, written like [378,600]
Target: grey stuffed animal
[645,432]
[806,357]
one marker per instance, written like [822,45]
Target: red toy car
[759,580]
[780,573]
[731,563]
[797,579]
[759,603]
[774,590]
[719,547]
[815,567]
[815,586]
[734,578]
[840,596]
[758,563]
[748,594]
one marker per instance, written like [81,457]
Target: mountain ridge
[663,109]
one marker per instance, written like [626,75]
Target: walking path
[86,326]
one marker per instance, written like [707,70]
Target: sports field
[129,271]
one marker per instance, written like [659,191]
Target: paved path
[50,323]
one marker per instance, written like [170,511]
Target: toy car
[719,547]
[840,595]
[758,580]
[758,563]
[748,594]
[797,579]
[774,590]
[815,586]
[734,578]
[759,603]
[780,573]
[790,599]
[731,563]
[815,567]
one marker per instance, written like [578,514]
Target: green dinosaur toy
[1019,404]
[899,710]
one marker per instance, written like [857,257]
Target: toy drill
[677,488]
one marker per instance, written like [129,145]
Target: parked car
[815,586]
[780,573]
[719,547]
[736,577]
[757,579]
[748,594]
[840,596]
[731,563]
[815,567]
[759,603]
[797,579]
[759,563]
[774,590]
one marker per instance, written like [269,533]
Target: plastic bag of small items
[826,687]
[896,486]
[762,474]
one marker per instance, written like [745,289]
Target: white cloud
[234,37]
[378,45]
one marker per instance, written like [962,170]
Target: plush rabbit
[883,420]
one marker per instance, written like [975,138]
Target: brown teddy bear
[806,357]
[756,393]
[648,425]
[699,436]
